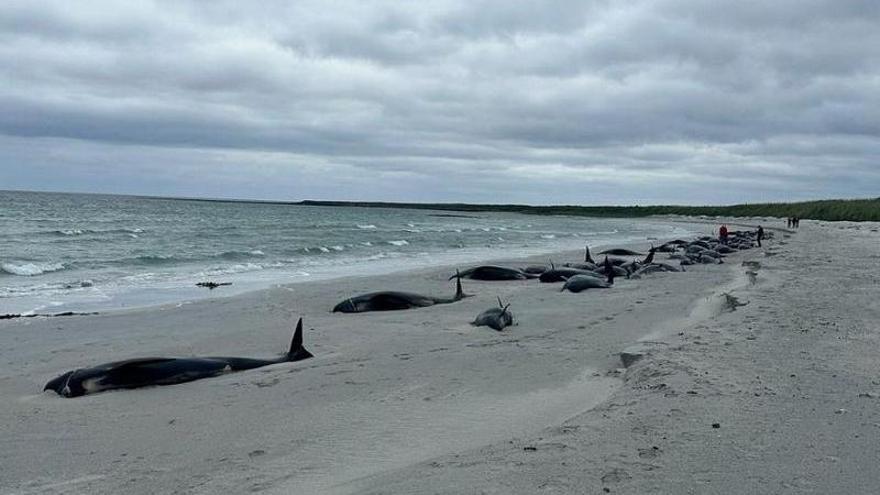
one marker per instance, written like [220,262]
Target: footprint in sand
[268,383]
[616,476]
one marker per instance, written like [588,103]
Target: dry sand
[421,402]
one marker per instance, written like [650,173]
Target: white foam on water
[30,269]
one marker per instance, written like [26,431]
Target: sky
[480,101]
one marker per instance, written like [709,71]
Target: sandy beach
[775,394]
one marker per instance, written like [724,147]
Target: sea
[87,252]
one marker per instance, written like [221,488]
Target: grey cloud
[449,100]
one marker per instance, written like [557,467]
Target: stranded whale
[496,318]
[492,272]
[145,372]
[393,300]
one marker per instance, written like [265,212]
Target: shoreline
[191,295]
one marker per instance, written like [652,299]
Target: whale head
[66,385]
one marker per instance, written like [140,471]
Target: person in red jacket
[722,234]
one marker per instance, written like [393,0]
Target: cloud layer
[633,102]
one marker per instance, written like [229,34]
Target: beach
[763,384]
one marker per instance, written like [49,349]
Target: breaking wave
[30,269]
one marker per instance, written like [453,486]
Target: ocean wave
[152,259]
[240,255]
[383,255]
[30,269]
[399,243]
[45,289]
[366,227]
[77,232]
[239,268]
[140,277]
[548,236]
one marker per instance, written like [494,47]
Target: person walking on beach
[760,235]
[722,234]
[788,222]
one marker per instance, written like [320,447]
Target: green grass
[857,210]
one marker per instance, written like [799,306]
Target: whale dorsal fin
[587,257]
[297,351]
[459,293]
[297,342]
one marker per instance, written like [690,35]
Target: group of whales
[577,277]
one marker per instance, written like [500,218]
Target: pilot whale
[394,300]
[145,372]
[496,318]
[492,272]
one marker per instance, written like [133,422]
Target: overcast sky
[553,102]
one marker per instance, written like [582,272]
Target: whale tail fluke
[297,352]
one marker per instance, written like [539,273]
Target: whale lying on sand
[496,318]
[580,283]
[491,272]
[145,372]
[560,274]
[621,252]
[394,300]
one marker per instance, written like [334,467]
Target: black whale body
[493,273]
[149,371]
[496,318]
[394,301]
[561,274]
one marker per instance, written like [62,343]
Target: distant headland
[856,210]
